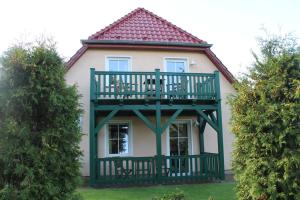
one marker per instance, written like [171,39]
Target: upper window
[118,63]
[176,65]
[118,138]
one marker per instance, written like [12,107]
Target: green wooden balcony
[153,85]
[144,170]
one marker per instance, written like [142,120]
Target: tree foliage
[39,145]
[266,123]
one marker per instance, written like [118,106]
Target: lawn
[219,191]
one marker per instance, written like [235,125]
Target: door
[179,147]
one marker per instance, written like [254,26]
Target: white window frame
[190,136]
[186,60]
[116,57]
[130,138]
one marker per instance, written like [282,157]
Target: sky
[232,26]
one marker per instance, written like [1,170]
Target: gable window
[118,64]
[118,138]
[176,65]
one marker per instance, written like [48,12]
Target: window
[118,138]
[176,65]
[179,143]
[118,63]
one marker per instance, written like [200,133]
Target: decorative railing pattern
[158,85]
[145,170]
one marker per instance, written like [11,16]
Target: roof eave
[151,43]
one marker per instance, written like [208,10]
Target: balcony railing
[155,85]
[144,170]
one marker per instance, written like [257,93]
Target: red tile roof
[143,29]
[143,25]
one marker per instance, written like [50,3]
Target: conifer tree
[39,130]
[266,123]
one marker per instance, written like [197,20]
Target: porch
[144,170]
[157,99]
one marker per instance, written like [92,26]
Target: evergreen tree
[39,130]
[266,124]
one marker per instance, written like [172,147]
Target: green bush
[177,195]
[266,124]
[39,131]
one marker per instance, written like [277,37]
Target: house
[154,100]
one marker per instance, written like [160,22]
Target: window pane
[173,130]
[123,131]
[170,66]
[183,146]
[123,65]
[123,138]
[113,131]
[113,65]
[180,66]
[113,147]
[174,146]
[183,132]
[123,145]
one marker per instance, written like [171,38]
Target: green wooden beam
[220,131]
[201,128]
[153,107]
[201,140]
[92,180]
[170,120]
[145,120]
[212,116]
[105,120]
[211,123]
[158,142]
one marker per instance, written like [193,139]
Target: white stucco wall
[144,140]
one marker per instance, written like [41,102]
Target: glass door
[179,147]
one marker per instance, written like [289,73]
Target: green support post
[201,127]
[158,142]
[219,121]
[92,127]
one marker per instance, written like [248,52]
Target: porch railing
[158,85]
[145,170]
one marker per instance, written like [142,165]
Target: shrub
[177,195]
[39,145]
[266,124]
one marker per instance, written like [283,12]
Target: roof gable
[141,29]
[143,25]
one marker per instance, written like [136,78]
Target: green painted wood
[201,127]
[213,117]
[105,120]
[171,119]
[158,142]
[145,120]
[211,123]
[140,170]
[157,83]
[153,107]
[220,131]
[92,125]
[154,84]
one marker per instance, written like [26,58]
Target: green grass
[219,191]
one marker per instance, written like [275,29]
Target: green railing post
[157,84]
[158,142]
[92,127]
[219,120]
